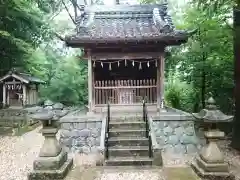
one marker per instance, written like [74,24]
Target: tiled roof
[30,78]
[103,24]
[27,78]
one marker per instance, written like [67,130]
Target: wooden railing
[107,131]
[148,135]
[125,91]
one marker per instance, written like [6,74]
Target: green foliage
[179,94]
[173,96]
[28,41]
[69,84]
[206,60]
[65,76]
[21,30]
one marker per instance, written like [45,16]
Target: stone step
[128,141]
[126,119]
[127,132]
[129,151]
[129,161]
[127,124]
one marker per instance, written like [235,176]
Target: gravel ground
[172,160]
[232,157]
[140,175]
[18,153]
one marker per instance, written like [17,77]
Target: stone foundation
[176,136]
[81,135]
[14,118]
[174,130]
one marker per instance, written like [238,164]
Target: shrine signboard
[14,86]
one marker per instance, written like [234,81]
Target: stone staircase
[127,143]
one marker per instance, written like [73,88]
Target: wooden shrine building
[125,49]
[19,89]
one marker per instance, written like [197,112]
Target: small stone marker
[210,163]
[58,106]
[48,103]
[53,162]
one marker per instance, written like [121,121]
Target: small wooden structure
[19,89]
[125,48]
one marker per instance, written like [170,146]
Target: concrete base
[50,163]
[58,174]
[202,169]
[212,167]
[157,157]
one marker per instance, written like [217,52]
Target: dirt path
[17,154]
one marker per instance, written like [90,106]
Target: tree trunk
[203,83]
[203,88]
[236,41]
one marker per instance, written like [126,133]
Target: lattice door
[125,96]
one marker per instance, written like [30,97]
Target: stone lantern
[210,162]
[52,161]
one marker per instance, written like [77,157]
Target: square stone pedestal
[51,168]
[211,171]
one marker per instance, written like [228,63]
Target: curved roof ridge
[124,8]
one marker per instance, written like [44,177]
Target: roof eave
[81,41]
[38,82]
[14,76]
[26,81]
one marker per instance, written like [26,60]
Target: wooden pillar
[24,88]
[162,79]
[8,99]
[4,95]
[37,93]
[90,83]
[159,84]
[93,89]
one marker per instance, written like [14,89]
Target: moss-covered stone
[59,174]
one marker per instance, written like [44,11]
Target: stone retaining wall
[175,132]
[173,136]
[81,135]
[13,117]
[176,136]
